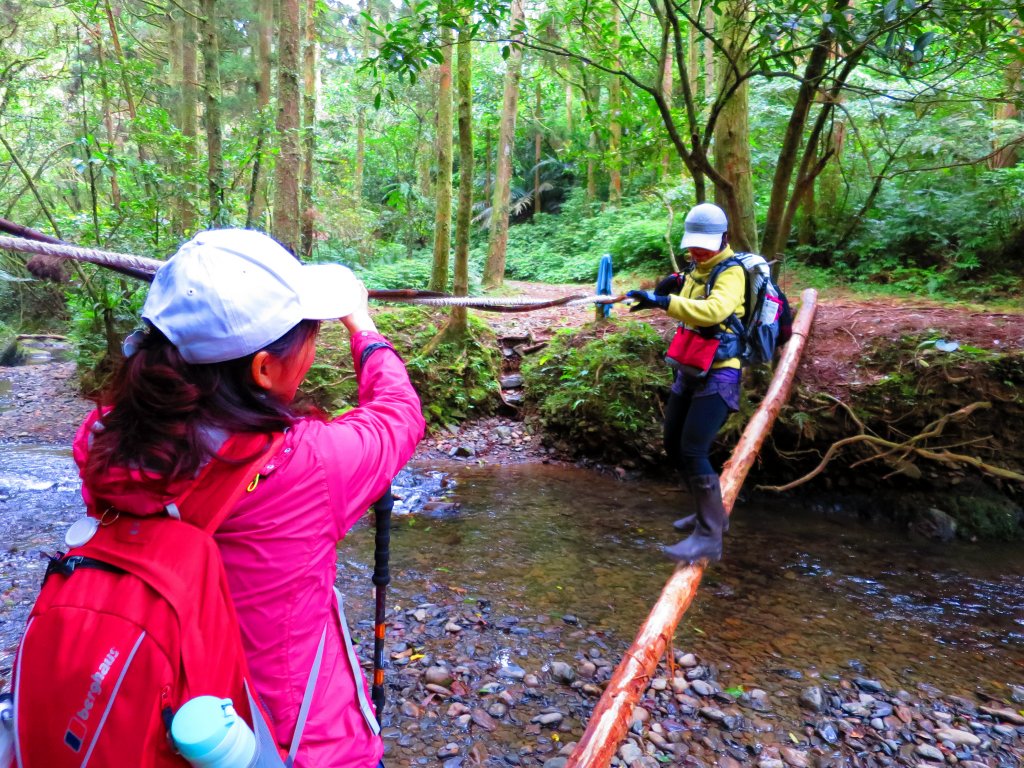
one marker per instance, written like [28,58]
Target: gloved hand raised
[647,300]
[671,284]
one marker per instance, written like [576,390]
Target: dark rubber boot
[688,523]
[705,543]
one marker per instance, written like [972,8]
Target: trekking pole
[381,578]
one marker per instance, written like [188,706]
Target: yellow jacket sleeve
[726,298]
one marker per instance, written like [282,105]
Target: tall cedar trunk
[309,128]
[709,55]
[443,184]
[807,232]
[593,102]
[286,172]
[1007,156]
[732,129]
[108,123]
[189,120]
[568,110]
[175,78]
[487,163]
[830,206]
[666,92]
[615,124]
[693,46]
[494,271]
[257,206]
[536,152]
[357,176]
[463,83]
[423,152]
[774,230]
[214,130]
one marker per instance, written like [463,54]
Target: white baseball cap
[704,227]
[228,293]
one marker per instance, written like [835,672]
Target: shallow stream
[541,562]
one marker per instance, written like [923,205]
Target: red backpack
[134,623]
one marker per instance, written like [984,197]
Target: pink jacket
[279,548]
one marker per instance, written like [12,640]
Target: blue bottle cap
[201,725]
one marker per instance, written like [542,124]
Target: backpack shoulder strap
[221,483]
[732,261]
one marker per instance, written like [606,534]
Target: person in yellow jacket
[701,397]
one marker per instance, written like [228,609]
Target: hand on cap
[359,319]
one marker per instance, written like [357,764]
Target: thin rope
[145,268]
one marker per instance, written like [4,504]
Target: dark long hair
[160,405]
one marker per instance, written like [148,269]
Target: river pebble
[957,737]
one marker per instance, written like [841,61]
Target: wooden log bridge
[613,714]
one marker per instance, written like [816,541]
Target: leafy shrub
[454,382]
[597,391]
[406,273]
[568,247]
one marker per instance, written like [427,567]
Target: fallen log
[612,715]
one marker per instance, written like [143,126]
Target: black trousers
[691,424]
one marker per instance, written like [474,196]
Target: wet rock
[440,690]
[640,715]
[701,688]
[812,699]
[437,676]
[454,762]
[483,719]
[928,752]
[872,686]
[828,733]
[795,757]
[1006,715]
[409,709]
[556,762]
[934,524]
[457,709]
[957,737]
[687,660]
[562,672]
[531,681]
[1017,694]
[548,718]
[770,762]
[629,752]
[713,714]
[448,750]
[498,709]
[512,671]
[451,626]
[464,451]
[1005,731]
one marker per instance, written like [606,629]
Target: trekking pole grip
[381,578]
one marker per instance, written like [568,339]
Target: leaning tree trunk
[286,172]
[494,271]
[443,185]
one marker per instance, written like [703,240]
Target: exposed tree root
[901,454]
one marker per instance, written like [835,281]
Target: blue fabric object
[647,300]
[604,282]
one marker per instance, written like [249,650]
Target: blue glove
[647,300]
[671,284]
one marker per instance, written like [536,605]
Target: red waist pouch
[691,353]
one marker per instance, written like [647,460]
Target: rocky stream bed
[487,671]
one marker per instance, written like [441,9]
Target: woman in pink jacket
[232,321]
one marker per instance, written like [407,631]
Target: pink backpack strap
[221,483]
